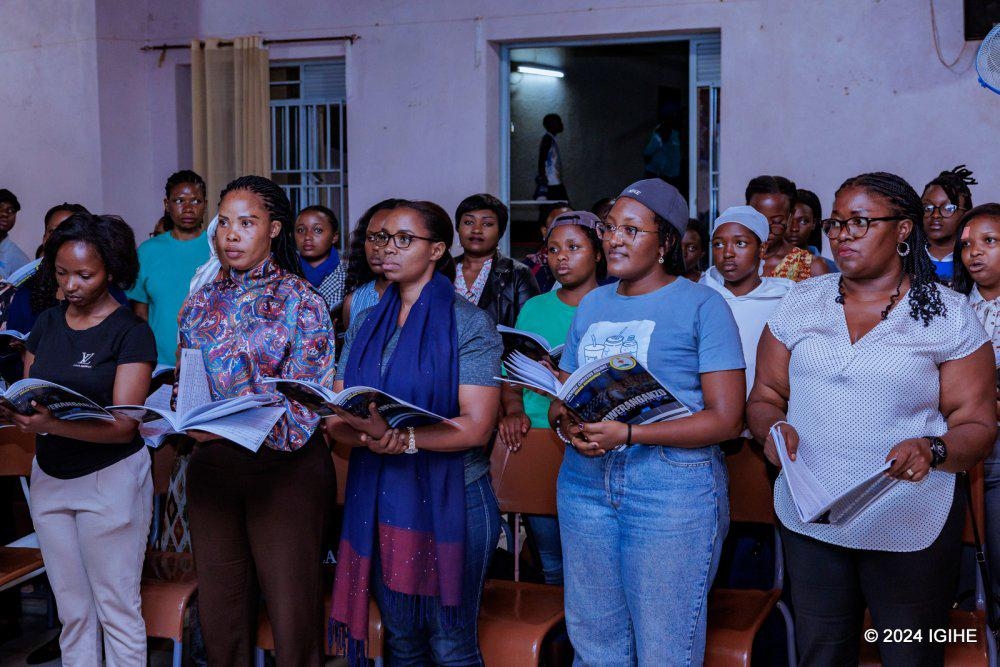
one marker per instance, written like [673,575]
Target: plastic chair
[736,615]
[20,560]
[515,617]
[984,650]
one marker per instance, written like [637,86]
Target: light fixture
[541,70]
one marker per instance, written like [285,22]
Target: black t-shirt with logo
[86,361]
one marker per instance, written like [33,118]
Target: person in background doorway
[662,154]
[549,175]
[168,262]
[945,199]
[694,246]
[484,276]
[12,257]
[538,262]
[317,233]
[775,197]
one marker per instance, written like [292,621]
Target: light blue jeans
[642,531]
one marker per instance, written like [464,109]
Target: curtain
[230,109]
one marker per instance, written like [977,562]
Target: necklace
[892,297]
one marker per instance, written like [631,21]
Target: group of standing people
[877,362]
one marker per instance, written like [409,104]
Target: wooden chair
[736,615]
[20,560]
[984,650]
[515,617]
[169,581]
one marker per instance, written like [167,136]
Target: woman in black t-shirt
[91,490]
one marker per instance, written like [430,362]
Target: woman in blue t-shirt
[643,509]
[91,490]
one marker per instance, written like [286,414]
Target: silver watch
[411,447]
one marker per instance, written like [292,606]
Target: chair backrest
[17,450]
[751,497]
[525,480]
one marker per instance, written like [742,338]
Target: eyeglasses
[401,240]
[856,227]
[946,210]
[606,231]
[181,202]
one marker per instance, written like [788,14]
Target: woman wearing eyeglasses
[420,517]
[775,198]
[872,366]
[643,510]
[945,199]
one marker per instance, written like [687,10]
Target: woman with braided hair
[945,200]
[875,365]
[257,519]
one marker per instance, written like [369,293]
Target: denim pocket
[683,457]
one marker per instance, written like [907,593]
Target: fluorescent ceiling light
[541,70]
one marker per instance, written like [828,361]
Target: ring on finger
[909,472]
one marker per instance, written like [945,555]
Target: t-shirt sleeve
[966,333]
[41,325]
[568,360]
[783,319]
[349,336]
[137,345]
[138,291]
[719,346]
[479,349]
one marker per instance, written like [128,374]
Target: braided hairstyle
[924,296]
[955,184]
[279,208]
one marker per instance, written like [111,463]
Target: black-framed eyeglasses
[606,231]
[401,240]
[856,227]
[946,210]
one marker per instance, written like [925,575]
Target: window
[308,132]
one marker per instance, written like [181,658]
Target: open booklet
[812,500]
[395,411]
[529,344]
[64,403]
[245,420]
[616,388]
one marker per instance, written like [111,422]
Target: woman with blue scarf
[420,517]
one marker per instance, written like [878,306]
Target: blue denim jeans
[430,643]
[545,531]
[642,531]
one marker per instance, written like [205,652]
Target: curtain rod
[299,40]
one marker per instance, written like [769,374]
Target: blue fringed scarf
[411,507]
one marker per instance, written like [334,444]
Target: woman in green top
[574,256]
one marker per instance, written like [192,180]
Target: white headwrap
[748,217]
[206,272]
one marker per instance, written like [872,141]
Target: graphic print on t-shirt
[606,339]
[86,360]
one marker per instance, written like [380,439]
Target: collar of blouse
[260,275]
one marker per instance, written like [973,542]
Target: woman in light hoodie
[737,237]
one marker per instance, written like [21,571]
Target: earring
[660,260]
[906,249]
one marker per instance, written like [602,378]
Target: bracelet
[562,436]
[628,440]
[411,447]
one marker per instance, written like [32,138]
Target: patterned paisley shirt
[265,323]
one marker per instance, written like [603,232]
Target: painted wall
[818,91]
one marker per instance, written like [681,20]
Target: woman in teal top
[574,255]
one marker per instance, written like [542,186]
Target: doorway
[630,109]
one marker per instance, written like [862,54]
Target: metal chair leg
[178,660]
[789,633]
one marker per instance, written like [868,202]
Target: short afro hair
[108,234]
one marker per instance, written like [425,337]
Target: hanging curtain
[230,111]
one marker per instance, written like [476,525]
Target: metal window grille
[308,135]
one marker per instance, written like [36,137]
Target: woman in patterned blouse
[259,518]
[775,198]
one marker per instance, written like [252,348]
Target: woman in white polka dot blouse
[876,363]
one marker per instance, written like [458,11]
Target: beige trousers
[93,532]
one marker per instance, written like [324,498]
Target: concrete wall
[815,90]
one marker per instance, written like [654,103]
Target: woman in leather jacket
[496,283]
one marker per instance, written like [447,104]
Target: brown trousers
[257,523]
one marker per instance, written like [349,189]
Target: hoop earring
[660,260]
[903,253]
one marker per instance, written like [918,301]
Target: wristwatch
[411,447]
[939,450]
